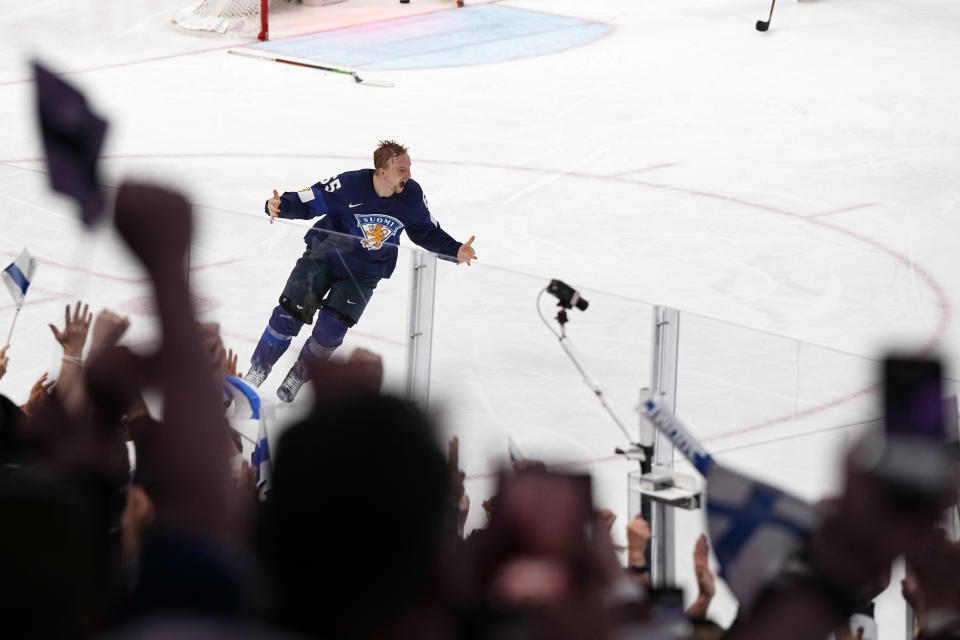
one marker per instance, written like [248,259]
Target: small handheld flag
[756,529]
[72,137]
[17,276]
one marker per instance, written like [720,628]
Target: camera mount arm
[636,451]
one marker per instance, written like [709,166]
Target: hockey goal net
[243,16]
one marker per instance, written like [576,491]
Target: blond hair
[387,149]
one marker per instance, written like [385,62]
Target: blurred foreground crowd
[362,532]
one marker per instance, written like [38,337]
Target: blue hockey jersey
[349,205]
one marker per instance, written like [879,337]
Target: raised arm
[424,229]
[156,224]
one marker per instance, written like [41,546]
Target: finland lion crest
[377,229]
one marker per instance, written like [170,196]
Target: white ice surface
[799,183]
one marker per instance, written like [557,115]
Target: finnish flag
[18,276]
[246,400]
[261,461]
[756,529]
[247,406]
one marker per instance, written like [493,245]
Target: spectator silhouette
[356,521]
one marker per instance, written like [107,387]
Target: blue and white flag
[247,406]
[261,461]
[18,276]
[245,397]
[755,529]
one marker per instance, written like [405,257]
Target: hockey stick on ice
[300,62]
[764,25]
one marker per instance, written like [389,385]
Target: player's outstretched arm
[466,252]
[299,205]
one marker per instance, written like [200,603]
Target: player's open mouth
[403,183]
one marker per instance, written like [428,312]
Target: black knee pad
[298,311]
[345,319]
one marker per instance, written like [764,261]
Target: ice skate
[288,389]
[255,377]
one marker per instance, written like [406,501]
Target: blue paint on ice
[455,37]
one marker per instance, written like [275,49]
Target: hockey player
[337,274]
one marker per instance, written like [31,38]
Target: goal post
[221,16]
[245,17]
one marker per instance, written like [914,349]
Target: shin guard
[275,339]
[327,335]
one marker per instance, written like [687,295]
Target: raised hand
[638,536]
[606,518]
[701,567]
[273,206]
[108,328]
[705,583]
[230,364]
[156,223]
[466,253]
[603,549]
[372,361]
[75,328]
[334,379]
[38,395]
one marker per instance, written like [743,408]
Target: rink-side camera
[567,296]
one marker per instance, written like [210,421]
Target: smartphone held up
[914,458]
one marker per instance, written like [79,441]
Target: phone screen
[551,510]
[913,398]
